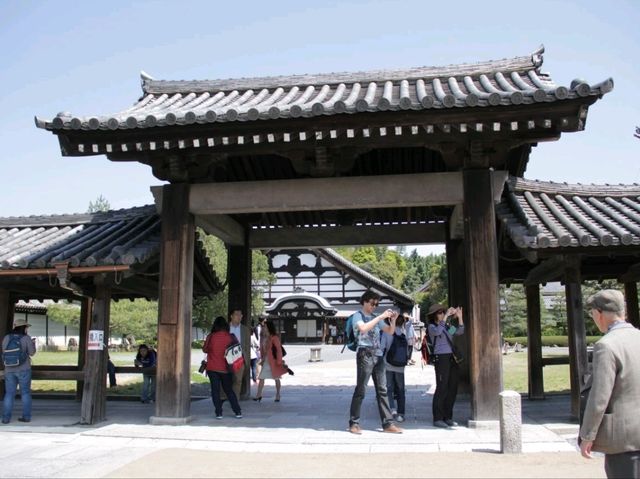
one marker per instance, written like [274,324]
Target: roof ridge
[76,218]
[518,184]
[529,62]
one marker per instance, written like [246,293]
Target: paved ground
[304,435]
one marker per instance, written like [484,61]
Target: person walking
[395,373]
[147,359]
[17,349]
[271,361]
[214,347]
[370,363]
[610,423]
[441,331]
[240,331]
[255,354]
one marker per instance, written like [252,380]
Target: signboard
[96,340]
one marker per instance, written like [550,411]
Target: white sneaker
[400,418]
[218,417]
[394,413]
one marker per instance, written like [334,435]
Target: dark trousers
[447,375]
[254,365]
[369,365]
[623,465]
[111,371]
[223,380]
[395,390]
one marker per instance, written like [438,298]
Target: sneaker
[440,424]
[400,418]
[394,413]
[238,416]
[5,421]
[392,429]
[24,419]
[450,422]
[355,429]
[218,417]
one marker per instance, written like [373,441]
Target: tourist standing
[146,359]
[441,331]
[215,346]
[255,354]
[395,373]
[271,361]
[240,331]
[17,349]
[369,362]
[611,424]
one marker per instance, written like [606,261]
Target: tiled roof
[115,237]
[488,84]
[333,256]
[541,215]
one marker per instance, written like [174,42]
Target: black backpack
[398,353]
[14,354]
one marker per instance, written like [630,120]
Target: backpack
[351,337]
[427,350]
[13,354]
[398,352]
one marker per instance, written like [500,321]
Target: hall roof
[486,84]
[127,240]
[541,215]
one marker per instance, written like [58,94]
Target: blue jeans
[396,391]
[148,387]
[11,381]
[369,365]
[225,380]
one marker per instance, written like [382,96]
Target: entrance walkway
[303,435]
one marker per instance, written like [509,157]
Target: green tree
[513,310]
[100,205]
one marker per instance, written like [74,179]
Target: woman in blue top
[146,359]
[441,333]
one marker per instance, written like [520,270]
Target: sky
[86,57]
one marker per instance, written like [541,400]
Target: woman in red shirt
[273,367]
[215,346]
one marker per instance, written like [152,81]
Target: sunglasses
[374,303]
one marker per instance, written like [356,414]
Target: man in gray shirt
[19,374]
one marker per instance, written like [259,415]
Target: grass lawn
[514,365]
[132,385]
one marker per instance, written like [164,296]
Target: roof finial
[145,76]
[536,56]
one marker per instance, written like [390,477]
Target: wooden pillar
[239,280]
[578,363]
[534,342]
[85,319]
[482,316]
[173,379]
[456,274]
[94,393]
[631,298]
[6,322]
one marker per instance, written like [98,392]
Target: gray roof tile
[539,215]
[504,82]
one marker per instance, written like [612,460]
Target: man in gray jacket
[611,422]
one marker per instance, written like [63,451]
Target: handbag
[203,367]
[457,355]
[233,356]
[275,352]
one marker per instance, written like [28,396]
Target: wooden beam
[631,298]
[174,309]
[6,322]
[222,226]
[93,408]
[481,258]
[310,194]
[86,308]
[456,223]
[458,294]
[320,237]
[239,278]
[578,364]
[632,275]
[551,269]
[534,342]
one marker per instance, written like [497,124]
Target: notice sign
[96,340]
